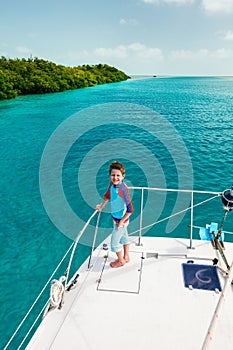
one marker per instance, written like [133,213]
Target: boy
[121,209]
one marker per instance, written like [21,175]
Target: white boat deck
[142,305]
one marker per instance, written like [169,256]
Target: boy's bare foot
[117,263]
[127,259]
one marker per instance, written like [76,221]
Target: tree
[38,76]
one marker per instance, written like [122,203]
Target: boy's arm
[129,207]
[127,199]
[99,207]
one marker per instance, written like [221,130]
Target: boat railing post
[191,222]
[94,239]
[75,245]
[140,222]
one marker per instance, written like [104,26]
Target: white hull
[142,305]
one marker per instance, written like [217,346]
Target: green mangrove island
[38,76]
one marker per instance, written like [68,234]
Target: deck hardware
[152,255]
[72,285]
[227,199]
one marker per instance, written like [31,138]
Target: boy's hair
[117,166]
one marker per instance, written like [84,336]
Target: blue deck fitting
[205,233]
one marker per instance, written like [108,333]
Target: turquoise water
[169,132]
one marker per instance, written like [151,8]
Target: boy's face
[116,177]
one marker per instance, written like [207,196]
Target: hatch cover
[125,279]
[201,277]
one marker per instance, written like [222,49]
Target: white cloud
[151,1]
[223,53]
[214,6]
[130,21]
[117,52]
[201,54]
[134,58]
[179,2]
[200,62]
[187,54]
[23,50]
[211,6]
[145,52]
[133,50]
[228,35]
[137,58]
[123,21]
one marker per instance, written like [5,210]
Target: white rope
[171,216]
[216,316]
[41,292]
[56,291]
[75,245]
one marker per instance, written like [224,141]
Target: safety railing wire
[37,298]
[173,215]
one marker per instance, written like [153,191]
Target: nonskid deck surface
[124,280]
[142,305]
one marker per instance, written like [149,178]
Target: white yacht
[174,294]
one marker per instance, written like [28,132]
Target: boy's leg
[119,262]
[126,252]
[125,241]
[119,237]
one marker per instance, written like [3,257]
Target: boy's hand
[99,207]
[119,224]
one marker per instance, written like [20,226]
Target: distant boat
[174,294]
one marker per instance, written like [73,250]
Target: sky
[146,37]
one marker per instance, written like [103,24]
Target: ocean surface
[174,132]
